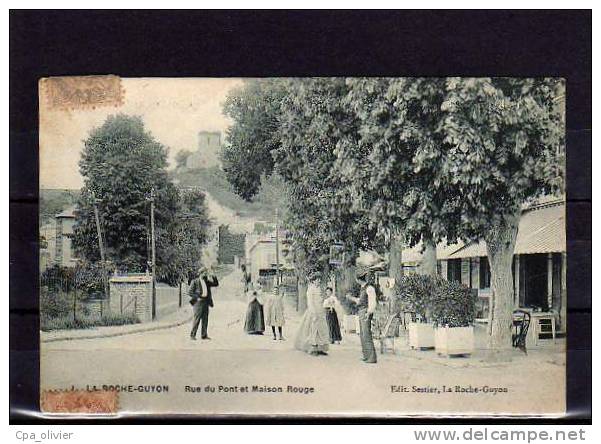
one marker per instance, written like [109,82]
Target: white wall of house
[64,254]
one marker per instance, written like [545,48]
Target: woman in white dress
[274,312]
[313,336]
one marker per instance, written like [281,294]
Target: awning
[443,251]
[542,230]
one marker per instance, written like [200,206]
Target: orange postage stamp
[79,92]
[80,401]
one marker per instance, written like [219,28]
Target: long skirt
[274,312]
[333,325]
[367,340]
[313,334]
[255,320]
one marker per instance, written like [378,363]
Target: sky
[173,110]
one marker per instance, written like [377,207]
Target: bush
[230,245]
[55,304]
[415,293]
[452,304]
[86,321]
[350,307]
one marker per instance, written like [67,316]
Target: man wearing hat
[366,302]
[201,300]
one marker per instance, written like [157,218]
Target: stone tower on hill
[207,154]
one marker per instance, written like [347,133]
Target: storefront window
[484,273]
[454,270]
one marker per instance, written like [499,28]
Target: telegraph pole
[105,283]
[153,256]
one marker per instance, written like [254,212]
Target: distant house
[261,258]
[539,263]
[47,245]
[63,253]
[207,154]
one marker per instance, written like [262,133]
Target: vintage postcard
[341,247]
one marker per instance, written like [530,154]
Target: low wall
[168,299]
[132,294]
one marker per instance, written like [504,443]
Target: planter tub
[454,340]
[351,323]
[421,335]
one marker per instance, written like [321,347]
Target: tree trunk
[325,276]
[395,268]
[302,295]
[348,278]
[428,265]
[302,281]
[500,245]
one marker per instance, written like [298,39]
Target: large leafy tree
[121,163]
[505,139]
[392,165]
[254,109]
[433,159]
[291,127]
[181,242]
[455,159]
[313,121]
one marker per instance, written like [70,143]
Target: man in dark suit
[201,300]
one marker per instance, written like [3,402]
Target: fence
[70,296]
[170,299]
[73,297]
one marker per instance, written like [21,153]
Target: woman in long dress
[313,336]
[274,312]
[255,319]
[332,316]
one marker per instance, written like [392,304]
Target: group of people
[319,327]
[271,314]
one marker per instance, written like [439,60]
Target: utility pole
[153,256]
[105,282]
[277,248]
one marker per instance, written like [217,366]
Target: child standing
[274,313]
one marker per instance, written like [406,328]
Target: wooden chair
[388,333]
[521,323]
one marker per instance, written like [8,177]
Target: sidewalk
[179,317]
[546,352]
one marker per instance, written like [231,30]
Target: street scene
[312,246]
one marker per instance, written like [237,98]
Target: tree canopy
[312,121]
[246,155]
[434,158]
[121,163]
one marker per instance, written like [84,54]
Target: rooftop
[68,213]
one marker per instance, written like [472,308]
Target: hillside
[222,201]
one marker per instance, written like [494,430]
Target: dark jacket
[195,291]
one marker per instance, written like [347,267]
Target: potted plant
[413,296]
[452,311]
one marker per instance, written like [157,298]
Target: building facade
[64,254]
[261,258]
[539,264]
